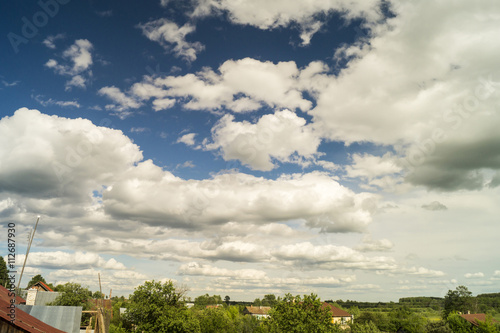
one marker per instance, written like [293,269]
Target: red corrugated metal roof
[23,320]
[4,294]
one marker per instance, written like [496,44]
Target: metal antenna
[28,251]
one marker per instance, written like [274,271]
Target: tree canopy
[300,314]
[73,294]
[458,300]
[159,307]
[4,277]
[206,299]
[35,279]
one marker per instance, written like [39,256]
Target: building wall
[7,327]
[341,320]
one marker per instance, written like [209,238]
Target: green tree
[487,326]
[249,324]
[35,279]
[227,299]
[409,321]
[117,328]
[204,300]
[73,294]
[439,326]
[269,300]
[364,328]
[157,307]
[97,295]
[4,276]
[381,320]
[296,314]
[354,310]
[458,324]
[459,300]
[215,320]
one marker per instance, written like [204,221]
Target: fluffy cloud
[369,166]
[123,103]
[435,205]
[283,136]
[52,165]
[172,37]
[474,275]
[372,245]
[187,139]
[77,260]
[80,59]
[157,197]
[194,268]
[331,257]
[50,40]
[54,158]
[281,13]
[241,85]
[439,104]
[122,280]
[257,279]
[424,272]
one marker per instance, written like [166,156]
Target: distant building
[39,294]
[39,297]
[257,311]
[339,316]
[41,286]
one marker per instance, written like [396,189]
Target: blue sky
[346,148]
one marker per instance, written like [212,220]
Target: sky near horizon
[247,147]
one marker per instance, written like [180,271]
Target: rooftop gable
[336,312]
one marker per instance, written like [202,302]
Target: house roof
[43,285]
[258,310]
[473,318]
[4,294]
[23,320]
[66,318]
[336,312]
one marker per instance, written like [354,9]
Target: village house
[41,286]
[339,316]
[257,311]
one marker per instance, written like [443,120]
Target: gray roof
[43,297]
[65,318]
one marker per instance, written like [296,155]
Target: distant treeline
[483,301]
